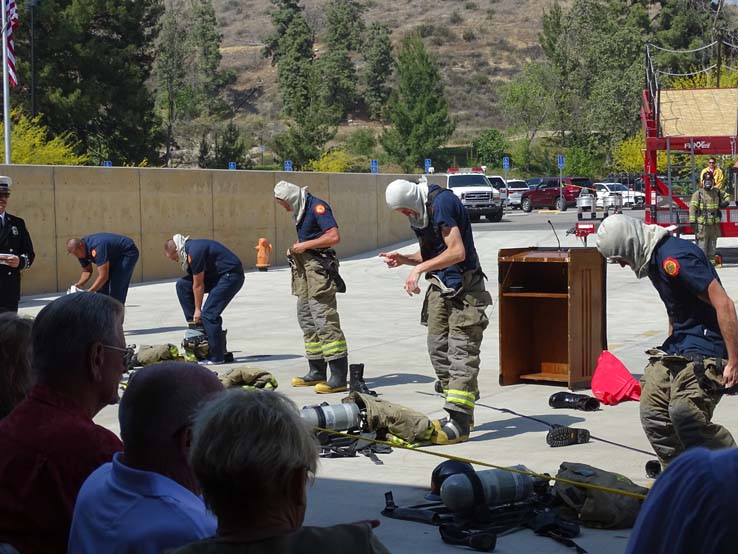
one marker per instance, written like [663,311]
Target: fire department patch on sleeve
[671,267]
[319,209]
[94,252]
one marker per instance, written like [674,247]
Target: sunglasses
[127,353]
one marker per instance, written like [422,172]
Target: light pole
[32,5]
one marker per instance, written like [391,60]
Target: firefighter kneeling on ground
[704,214]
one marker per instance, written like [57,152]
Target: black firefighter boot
[337,381]
[314,376]
[455,428]
[574,401]
[356,380]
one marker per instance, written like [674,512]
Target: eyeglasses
[711,163]
[128,353]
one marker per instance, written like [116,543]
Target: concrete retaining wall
[150,205]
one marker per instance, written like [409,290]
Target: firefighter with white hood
[696,365]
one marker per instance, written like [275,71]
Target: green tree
[528,104]
[338,81]
[294,67]
[209,79]
[308,133]
[582,163]
[556,47]
[32,145]
[283,14]
[378,69]
[490,147]
[93,64]
[345,24]
[361,142]
[595,52]
[418,109]
[169,71]
[228,147]
[205,158]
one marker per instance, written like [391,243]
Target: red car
[546,192]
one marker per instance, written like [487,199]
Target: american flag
[12,22]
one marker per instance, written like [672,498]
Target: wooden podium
[552,315]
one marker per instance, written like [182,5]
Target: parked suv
[474,189]
[631,198]
[514,192]
[549,194]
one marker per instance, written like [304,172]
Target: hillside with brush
[479,44]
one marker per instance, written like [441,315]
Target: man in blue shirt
[315,281]
[115,257]
[147,500]
[691,507]
[687,376]
[455,300]
[213,269]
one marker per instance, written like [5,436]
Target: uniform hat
[5,183]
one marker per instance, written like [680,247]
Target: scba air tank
[496,485]
[337,417]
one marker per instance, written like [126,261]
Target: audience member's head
[253,455]
[79,349]
[155,417]
[15,363]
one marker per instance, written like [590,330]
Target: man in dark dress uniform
[16,251]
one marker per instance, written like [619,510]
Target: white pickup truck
[474,189]
[631,198]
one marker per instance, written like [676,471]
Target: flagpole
[6,83]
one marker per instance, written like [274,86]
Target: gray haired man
[49,442]
[254,457]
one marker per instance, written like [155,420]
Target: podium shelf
[539,256]
[542,376]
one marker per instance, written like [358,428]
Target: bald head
[159,402]
[77,248]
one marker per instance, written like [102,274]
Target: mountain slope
[479,45]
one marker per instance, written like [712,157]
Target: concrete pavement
[382,330]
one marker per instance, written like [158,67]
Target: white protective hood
[295,196]
[410,196]
[624,238]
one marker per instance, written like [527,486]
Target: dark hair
[64,330]
[15,360]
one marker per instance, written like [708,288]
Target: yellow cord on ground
[485,464]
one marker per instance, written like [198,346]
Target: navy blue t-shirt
[448,211]
[211,257]
[317,220]
[680,272]
[691,507]
[106,247]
